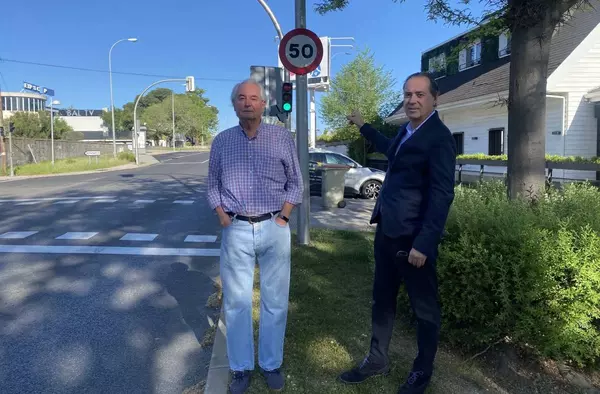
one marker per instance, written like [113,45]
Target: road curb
[218,371]
[99,171]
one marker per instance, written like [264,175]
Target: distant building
[13,102]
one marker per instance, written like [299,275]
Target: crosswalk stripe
[183,202]
[66,202]
[138,237]
[144,201]
[17,234]
[200,238]
[109,250]
[77,235]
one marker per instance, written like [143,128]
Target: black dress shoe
[416,383]
[364,371]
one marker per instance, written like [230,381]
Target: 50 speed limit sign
[301,51]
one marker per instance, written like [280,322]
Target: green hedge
[129,156]
[481,156]
[528,273]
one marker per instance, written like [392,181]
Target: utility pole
[2,145]
[173,116]
[302,137]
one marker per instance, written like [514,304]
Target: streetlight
[52,104]
[112,103]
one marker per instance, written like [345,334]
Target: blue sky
[216,41]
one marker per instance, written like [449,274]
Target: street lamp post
[52,104]
[112,103]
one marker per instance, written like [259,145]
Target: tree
[194,118]
[531,24]
[37,125]
[361,85]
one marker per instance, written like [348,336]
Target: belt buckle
[250,220]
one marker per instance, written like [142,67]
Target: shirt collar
[409,128]
[261,127]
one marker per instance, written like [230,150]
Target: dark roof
[493,77]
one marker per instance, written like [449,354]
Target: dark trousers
[422,287]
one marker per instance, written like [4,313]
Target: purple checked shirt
[254,176]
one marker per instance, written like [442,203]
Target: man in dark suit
[411,214]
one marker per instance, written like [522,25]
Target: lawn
[75,164]
[329,330]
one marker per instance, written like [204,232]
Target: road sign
[301,51]
[92,153]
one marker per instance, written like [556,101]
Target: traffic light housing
[11,127]
[190,85]
[286,96]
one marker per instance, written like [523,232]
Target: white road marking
[76,235]
[29,203]
[183,202]
[66,202]
[138,237]
[205,161]
[105,200]
[109,250]
[144,201]
[201,238]
[17,234]
[55,199]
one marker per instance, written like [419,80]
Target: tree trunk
[530,51]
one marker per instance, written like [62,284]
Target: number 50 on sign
[301,51]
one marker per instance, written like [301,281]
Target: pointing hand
[356,118]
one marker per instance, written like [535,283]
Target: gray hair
[234,92]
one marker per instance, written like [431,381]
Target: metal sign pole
[302,137]
[10,147]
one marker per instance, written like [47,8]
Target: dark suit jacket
[419,186]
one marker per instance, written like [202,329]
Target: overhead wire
[106,71]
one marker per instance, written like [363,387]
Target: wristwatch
[285,218]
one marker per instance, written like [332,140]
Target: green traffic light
[287,107]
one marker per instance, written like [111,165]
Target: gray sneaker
[240,382]
[275,379]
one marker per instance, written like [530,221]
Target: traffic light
[11,127]
[190,85]
[286,96]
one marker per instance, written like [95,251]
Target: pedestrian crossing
[101,200]
[90,235]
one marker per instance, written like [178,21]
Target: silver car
[363,181]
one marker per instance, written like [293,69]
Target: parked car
[359,181]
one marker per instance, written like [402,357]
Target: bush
[129,156]
[508,269]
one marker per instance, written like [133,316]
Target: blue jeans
[242,244]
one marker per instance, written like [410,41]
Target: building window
[459,140]
[4,103]
[504,44]
[496,142]
[470,57]
[437,64]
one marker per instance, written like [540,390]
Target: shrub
[129,156]
[528,273]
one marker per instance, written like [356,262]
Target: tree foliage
[37,125]
[531,24]
[363,85]
[194,117]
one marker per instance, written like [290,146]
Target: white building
[13,102]
[472,89]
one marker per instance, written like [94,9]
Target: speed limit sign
[301,51]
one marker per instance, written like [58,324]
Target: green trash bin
[333,185]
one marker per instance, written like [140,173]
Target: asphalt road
[104,280]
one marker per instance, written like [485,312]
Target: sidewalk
[354,217]
[145,160]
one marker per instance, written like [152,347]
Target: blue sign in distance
[39,89]
[316,72]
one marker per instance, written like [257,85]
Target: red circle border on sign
[290,66]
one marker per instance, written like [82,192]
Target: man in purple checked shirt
[254,182]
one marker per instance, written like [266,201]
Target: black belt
[253,219]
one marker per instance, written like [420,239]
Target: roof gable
[492,76]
